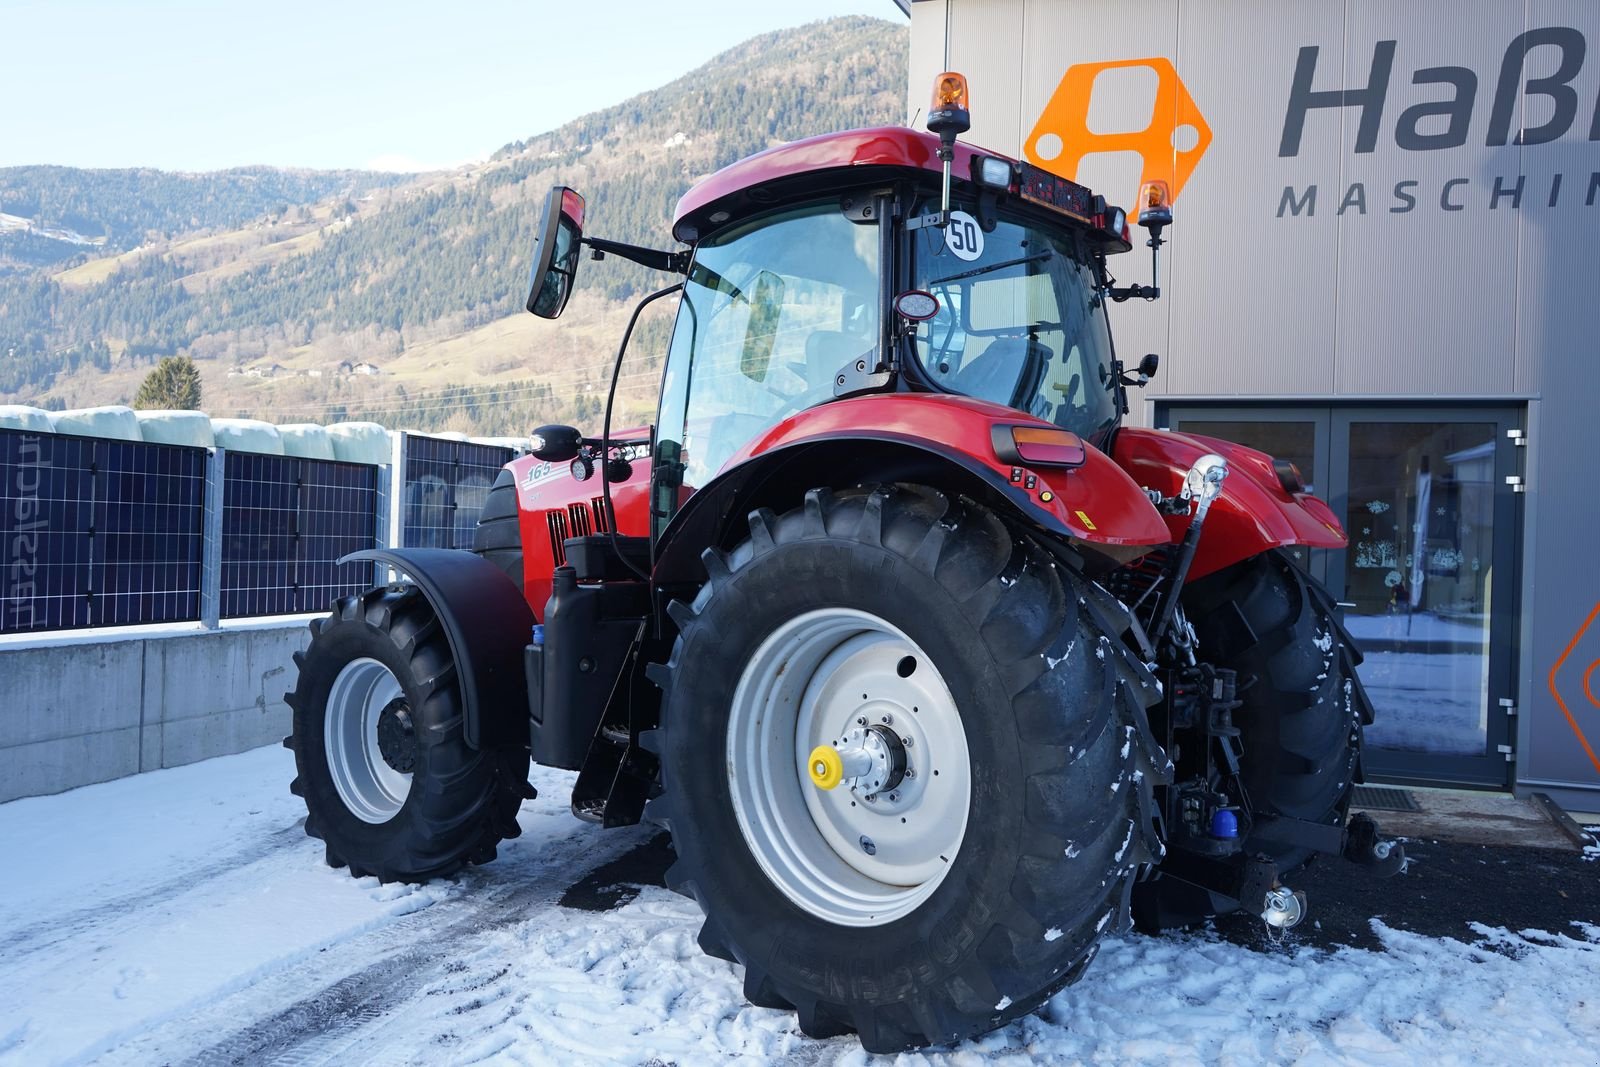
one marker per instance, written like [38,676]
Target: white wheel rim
[811,683]
[372,790]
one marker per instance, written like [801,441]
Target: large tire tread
[1301,715]
[1041,624]
[463,801]
[498,536]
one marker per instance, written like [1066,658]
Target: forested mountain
[66,213]
[423,283]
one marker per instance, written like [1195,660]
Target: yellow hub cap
[827,769]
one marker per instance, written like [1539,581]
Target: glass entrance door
[1426,581]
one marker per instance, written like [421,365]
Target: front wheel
[906,768]
[1301,714]
[391,786]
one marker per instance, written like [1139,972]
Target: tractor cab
[875,261]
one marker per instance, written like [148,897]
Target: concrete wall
[76,713]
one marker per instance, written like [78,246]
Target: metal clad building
[1386,267]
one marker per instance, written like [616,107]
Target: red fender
[1254,512]
[1097,503]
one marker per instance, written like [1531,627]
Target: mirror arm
[674,262]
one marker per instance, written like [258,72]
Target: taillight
[1043,446]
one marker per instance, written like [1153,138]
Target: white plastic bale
[21,417]
[247,435]
[113,422]
[176,427]
[520,444]
[306,440]
[360,442]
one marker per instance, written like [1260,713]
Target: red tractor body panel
[552,506]
[1253,514]
[1096,502]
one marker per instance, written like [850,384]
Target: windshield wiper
[1037,257]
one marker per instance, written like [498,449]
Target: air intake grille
[579,514]
[558,535]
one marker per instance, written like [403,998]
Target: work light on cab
[916,305]
[993,171]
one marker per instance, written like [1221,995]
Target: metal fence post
[392,527]
[211,541]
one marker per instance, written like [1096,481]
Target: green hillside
[445,256]
[123,209]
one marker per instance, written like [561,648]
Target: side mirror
[555,261]
[556,444]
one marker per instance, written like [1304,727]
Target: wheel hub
[870,760]
[397,740]
[863,817]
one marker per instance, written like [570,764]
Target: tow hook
[1363,846]
[1284,908]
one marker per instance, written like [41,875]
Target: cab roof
[882,146]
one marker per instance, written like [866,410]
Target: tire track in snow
[128,907]
[414,950]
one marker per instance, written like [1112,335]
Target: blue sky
[309,83]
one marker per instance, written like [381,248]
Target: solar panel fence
[286,521]
[98,532]
[446,485]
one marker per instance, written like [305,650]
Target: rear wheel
[1302,710]
[390,784]
[906,768]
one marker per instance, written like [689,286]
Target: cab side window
[770,313]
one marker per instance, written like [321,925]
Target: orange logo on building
[1584,680]
[1170,145]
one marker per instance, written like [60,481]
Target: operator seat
[991,374]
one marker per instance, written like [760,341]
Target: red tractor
[934,669]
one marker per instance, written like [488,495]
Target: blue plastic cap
[1224,823]
[538,635]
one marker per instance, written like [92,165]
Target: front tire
[1301,715]
[391,787]
[985,885]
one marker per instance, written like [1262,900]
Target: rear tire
[1302,714]
[390,784]
[1048,713]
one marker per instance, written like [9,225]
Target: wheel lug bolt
[906,741]
[861,721]
[911,772]
[887,719]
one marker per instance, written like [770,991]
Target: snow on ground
[182,916]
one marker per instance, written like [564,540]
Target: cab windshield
[1020,321]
